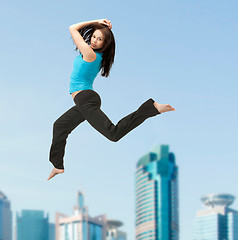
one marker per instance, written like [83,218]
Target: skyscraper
[82,226]
[5,218]
[113,233]
[218,221]
[157,215]
[51,231]
[32,225]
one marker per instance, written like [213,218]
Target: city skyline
[215,222]
[181,53]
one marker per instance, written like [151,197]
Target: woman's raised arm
[81,25]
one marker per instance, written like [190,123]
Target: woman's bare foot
[54,172]
[163,107]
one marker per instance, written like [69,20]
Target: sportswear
[84,73]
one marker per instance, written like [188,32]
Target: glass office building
[81,226]
[5,218]
[113,233]
[51,231]
[218,221]
[32,225]
[156,182]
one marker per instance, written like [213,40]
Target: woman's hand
[105,22]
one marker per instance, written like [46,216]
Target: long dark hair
[108,48]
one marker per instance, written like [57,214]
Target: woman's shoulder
[99,53]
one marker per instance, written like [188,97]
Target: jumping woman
[96,44]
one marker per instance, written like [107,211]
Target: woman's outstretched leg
[89,102]
[62,127]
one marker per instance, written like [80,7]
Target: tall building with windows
[51,231]
[218,221]
[5,218]
[32,225]
[81,226]
[113,233]
[156,183]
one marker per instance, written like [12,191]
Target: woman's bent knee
[114,139]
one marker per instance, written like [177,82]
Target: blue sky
[179,52]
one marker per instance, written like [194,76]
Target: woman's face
[97,40]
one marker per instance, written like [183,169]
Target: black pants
[88,104]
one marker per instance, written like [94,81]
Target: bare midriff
[75,93]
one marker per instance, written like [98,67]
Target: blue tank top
[84,73]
